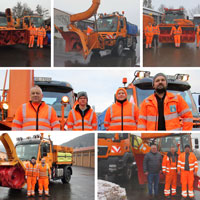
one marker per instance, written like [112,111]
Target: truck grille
[102,150]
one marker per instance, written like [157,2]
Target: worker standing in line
[31,175]
[156,33]
[198,35]
[169,169]
[123,115]
[32,34]
[82,117]
[152,166]
[149,35]
[44,176]
[187,167]
[162,110]
[176,31]
[36,114]
[41,34]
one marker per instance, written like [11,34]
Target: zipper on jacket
[122,116]
[37,113]
[83,123]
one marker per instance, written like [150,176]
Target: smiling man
[36,114]
[163,110]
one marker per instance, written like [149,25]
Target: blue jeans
[153,179]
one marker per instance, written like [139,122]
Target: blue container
[132,29]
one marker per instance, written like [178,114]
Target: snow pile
[110,191]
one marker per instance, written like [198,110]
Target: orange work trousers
[198,40]
[187,179]
[170,180]
[43,183]
[149,39]
[40,41]
[31,181]
[177,39]
[31,41]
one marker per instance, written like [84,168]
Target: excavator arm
[12,171]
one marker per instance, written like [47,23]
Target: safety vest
[156,30]
[174,108]
[198,30]
[176,31]
[31,170]
[41,32]
[44,172]
[121,116]
[29,118]
[193,164]
[168,166]
[149,30]
[32,31]
[78,122]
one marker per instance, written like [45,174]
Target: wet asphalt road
[105,59]
[21,56]
[81,187]
[169,56]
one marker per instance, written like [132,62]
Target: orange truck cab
[172,17]
[115,155]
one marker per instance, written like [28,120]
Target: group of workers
[160,111]
[173,164]
[37,172]
[152,33]
[34,32]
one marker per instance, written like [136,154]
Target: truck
[20,83]
[12,171]
[111,31]
[196,97]
[141,87]
[172,17]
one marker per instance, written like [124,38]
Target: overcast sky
[130,7]
[101,84]
[31,3]
[187,4]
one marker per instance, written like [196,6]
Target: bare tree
[161,8]
[20,10]
[147,3]
[195,10]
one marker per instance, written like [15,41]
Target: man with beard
[163,110]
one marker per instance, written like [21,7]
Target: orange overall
[149,35]
[187,176]
[32,174]
[44,172]
[41,33]
[198,35]
[177,35]
[169,168]
[32,32]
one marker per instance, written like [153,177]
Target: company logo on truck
[115,149]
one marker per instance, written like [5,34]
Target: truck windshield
[54,99]
[122,136]
[169,18]
[165,143]
[107,24]
[187,96]
[38,21]
[197,20]
[27,151]
[3,21]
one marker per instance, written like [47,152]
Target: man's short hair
[38,87]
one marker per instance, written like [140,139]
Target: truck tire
[67,175]
[118,50]
[128,172]
[133,47]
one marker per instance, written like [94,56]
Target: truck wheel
[128,172]
[133,47]
[67,175]
[120,48]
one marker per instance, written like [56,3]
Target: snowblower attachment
[12,170]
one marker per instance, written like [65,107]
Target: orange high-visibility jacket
[168,166]
[121,116]
[32,31]
[44,172]
[31,117]
[176,31]
[198,30]
[156,30]
[31,170]
[174,108]
[41,32]
[193,164]
[148,31]
[77,121]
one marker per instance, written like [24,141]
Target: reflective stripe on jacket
[168,166]
[78,122]
[41,32]
[176,31]
[156,30]
[121,116]
[30,117]
[149,31]
[31,170]
[32,31]
[44,172]
[174,108]
[193,164]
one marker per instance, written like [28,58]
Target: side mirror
[196,141]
